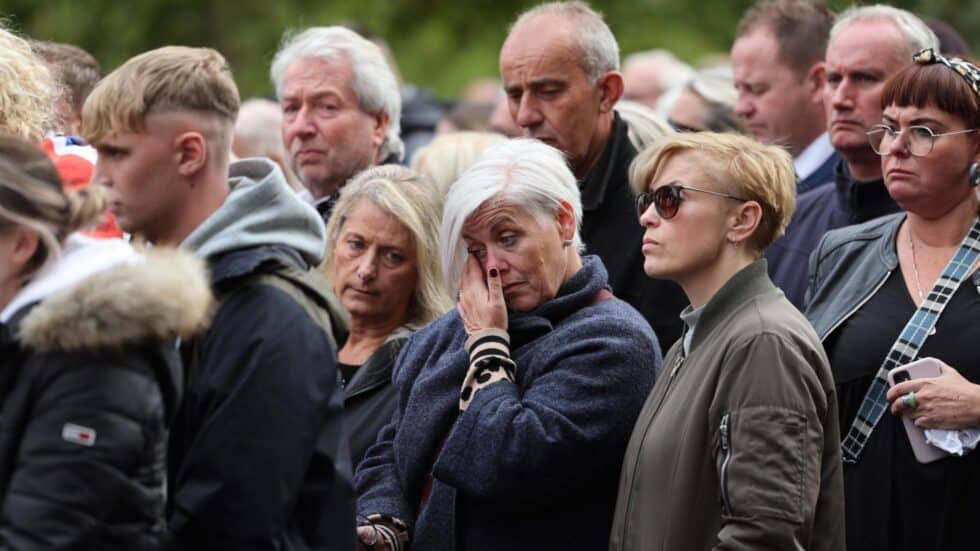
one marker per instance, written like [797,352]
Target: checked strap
[909,341]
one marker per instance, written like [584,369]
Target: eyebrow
[914,122]
[538,83]
[314,95]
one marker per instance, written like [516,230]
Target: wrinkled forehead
[541,45]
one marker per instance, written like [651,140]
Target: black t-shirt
[891,500]
[346,372]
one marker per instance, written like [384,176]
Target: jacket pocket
[762,466]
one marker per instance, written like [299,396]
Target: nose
[495,260]
[99,175]
[899,146]
[528,115]
[840,97]
[650,218]
[367,267]
[301,125]
[744,106]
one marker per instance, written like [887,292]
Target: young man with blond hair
[258,458]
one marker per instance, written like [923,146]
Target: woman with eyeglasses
[906,287]
[737,446]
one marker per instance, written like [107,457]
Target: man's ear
[743,221]
[611,89]
[566,221]
[815,80]
[191,150]
[380,132]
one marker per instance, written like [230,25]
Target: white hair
[258,124]
[646,126]
[671,71]
[522,172]
[598,46]
[916,33]
[374,81]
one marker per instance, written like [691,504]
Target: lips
[897,172]
[306,155]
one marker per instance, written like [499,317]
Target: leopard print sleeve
[489,363]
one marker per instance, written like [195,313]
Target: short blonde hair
[738,165]
[404,194]
[172,78]
[28,90]
[447,157]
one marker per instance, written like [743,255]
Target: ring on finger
[910,401]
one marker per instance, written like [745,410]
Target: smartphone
[919,369]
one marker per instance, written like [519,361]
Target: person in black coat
[383,262]
[89,375]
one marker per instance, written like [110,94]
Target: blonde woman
[91,378]
[737,446]
[28,90]
[383,263]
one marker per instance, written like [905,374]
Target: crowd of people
[648,307]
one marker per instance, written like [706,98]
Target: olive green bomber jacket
[738,444]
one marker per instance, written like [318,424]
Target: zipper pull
[726,449]
[676,368]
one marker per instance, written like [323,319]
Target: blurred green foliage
[440,44]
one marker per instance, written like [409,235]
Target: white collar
[810,159]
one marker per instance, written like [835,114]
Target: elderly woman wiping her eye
[514,409]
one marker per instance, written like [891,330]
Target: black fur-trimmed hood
[164,296]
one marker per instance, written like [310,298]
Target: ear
[815,80]
[743,220]
[26,242]
[380,132]
[611,89]
[566,221]
[191,149]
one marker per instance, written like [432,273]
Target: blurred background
[438,44]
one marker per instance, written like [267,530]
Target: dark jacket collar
[751,281]
[612,166]
[376,371]
[863,200]
[577,293]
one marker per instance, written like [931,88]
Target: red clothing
[75,162]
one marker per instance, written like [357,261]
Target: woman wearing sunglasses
[737,446]
[903,287]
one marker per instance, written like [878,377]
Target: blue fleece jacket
[529,465]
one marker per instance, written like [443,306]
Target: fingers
[495,291]
[903,388]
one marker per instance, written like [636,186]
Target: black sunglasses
[666,199]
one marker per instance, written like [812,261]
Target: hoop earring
[974,174]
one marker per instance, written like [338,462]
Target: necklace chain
[915,268]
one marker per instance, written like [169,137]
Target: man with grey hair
[867,45]
[560,69]
[648,74]
[341,109]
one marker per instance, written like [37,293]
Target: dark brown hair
[933,85]
[801,29]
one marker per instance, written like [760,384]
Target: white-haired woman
[90,378]
[514,409]
[382,260]
[737,445]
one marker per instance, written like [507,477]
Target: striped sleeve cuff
[490,362]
